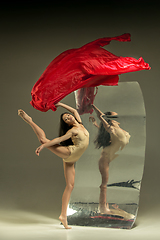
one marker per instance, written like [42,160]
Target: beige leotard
[80,141]
[119,139]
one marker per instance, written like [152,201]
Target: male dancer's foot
[24,116]
[64,221]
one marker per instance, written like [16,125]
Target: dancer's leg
[69,173]
[60,151]
[38,131]
[104,170]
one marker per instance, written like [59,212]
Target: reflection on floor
[87,214]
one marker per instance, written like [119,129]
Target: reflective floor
[21,225]
[88,215]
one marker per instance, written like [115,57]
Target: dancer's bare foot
[122,213]
[64,222]
[115,206]
[24,116]
[104,209]
[114,113]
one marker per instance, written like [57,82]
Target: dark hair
[107,113]
[103,138]
[64,127]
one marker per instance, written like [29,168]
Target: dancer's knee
[70,186]
[103,186]
[43,140]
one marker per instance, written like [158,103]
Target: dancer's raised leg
[38,131]
[60,151]
[69,173]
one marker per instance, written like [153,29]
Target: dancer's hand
[58,104]
[91,118]
[39,149]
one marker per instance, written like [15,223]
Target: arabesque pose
[73,140]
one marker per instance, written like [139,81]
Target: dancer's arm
[70,109]
[100,116]
[107,126]
[98,112]
[55,141]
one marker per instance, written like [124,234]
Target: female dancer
[112,138]
[70,145]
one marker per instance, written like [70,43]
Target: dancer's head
[103,138]
[66,122]
[68,118]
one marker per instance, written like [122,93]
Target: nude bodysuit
[119,139]
[80,141]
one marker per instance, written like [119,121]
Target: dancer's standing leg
[69,173]
[104,170]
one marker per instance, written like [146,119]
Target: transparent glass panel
[117,205]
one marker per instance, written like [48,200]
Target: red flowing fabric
[87,66]
[84,99]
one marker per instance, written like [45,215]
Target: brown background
[31,36]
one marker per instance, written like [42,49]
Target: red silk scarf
[87,66]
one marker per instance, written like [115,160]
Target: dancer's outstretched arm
[70,109]
[100,116]
[98,112]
